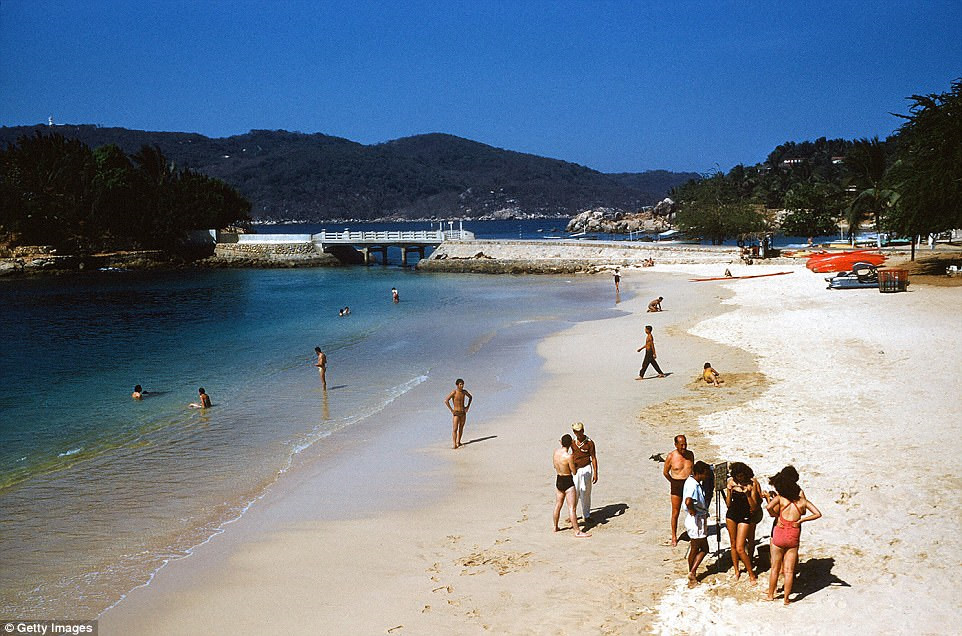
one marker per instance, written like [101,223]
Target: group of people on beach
[692,485]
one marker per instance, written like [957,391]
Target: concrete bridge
[371,243]
[368,243]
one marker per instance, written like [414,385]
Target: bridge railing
[426,236]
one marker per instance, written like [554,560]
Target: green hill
[315,177]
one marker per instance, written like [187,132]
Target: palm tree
[866,165]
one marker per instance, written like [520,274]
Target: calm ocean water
[98,490]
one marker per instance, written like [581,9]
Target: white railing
[416,236]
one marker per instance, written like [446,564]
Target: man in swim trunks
[586,464]
[564,485]
[677,469]
[321,365]
[459,410]
[655,305]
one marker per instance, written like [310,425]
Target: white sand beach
[838,383]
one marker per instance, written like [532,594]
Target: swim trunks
[459,413]
[677,486]
[564,482]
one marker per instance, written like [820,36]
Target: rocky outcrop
[270,255]
[610,221]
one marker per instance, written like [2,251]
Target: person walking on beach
[711,376]
[696,522]
[459,410]
[678,465]
[791,505]
[650,355]
[586,465]
[565,486]
[394,295]
[617,280]
[655,305]
[203,398]
[321,365]
[743,500]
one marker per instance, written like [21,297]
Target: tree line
[60,192]
[910,184]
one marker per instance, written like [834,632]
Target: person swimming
[204,400]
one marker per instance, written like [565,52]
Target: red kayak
[700,280]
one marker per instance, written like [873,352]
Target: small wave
[239,511]
[72,451]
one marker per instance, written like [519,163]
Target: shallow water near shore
[98,490]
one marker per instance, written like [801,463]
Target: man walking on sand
[650,355]
[459,410]
[564,485]
[586,465]
[677,469]
[617,280]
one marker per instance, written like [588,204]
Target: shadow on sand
[811,575]
[478,439]
[600,516]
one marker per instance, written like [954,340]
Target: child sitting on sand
[711,376]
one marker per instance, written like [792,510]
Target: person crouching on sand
[711,376]
[564,486]
[792,506]
[655,305]
[696,522]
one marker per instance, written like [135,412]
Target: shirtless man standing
[564,485]
[459,410]
[321,365]
[650,355]
[677,469]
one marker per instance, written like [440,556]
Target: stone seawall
[558,257]
[272,255]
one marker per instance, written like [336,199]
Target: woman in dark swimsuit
[790,504]
[743,502]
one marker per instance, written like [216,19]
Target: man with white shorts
[696,522]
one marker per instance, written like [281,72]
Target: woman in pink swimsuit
[791,506]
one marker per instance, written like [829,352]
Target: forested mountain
[313,177]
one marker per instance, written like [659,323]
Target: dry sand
[838,383]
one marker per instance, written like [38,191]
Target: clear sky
[617,86]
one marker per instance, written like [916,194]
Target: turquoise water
[98,490]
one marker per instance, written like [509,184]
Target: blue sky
[617,86]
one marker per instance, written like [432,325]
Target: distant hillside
[315,177]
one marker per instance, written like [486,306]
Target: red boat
[843,261]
